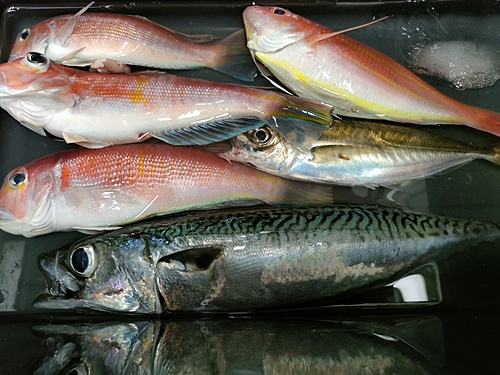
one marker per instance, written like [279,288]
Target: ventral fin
[69,137]
[269,76]
[94,230]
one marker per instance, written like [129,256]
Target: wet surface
[464,304]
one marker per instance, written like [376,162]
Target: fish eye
[36,60]
[83,261]
[17,178]
[279,11]
[262,135]
[23,34]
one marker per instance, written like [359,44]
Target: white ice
[465,64]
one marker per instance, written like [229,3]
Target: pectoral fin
[195,259]
[209,133]
[64,33]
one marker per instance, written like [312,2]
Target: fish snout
[3,84]
[59,281]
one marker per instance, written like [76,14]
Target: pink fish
[100,189]
[87,38]
[318,63]
[96,110]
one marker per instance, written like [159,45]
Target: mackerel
[249,259]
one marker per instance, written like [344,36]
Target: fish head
[270,28]
[263,148]
[34,39]
[33,73]
[27,199]
[109,273]
[32,90]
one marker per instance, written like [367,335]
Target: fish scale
[358,152]
[97,110]
[316,62]
[95,190]
[84,38]
[252,258]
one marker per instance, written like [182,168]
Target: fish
[88,39]
[94,190]
[98,110]
[356,152]
[252,259]
[316,62]
[235,346]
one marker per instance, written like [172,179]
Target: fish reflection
[238,346]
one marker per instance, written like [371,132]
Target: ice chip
[465,64]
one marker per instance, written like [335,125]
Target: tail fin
[236,60]
[496,153]
[485,120]
[300,193]
[301,121]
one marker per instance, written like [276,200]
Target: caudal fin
[496,153]
[235,60]
[301,121]
[300,193]
[485,120]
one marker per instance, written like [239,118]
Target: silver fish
[235,346]
[357,152]
[252,259]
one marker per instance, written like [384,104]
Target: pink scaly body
[358,81]
[99,189]
[96,110]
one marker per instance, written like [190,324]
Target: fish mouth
[14,56]
[61,284]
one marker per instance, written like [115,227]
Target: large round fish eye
[82,261]
[17,178]
[279,11]
[262,135]
[36,60]
[23,35]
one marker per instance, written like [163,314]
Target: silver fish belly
[252,259]
[357,152]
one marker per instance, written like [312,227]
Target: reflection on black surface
[244,346]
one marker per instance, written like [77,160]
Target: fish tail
[301,121]
[298,192]
[235,59]
[496,153]
[485,120]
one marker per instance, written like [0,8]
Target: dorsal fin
[63,35]
[317,38]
